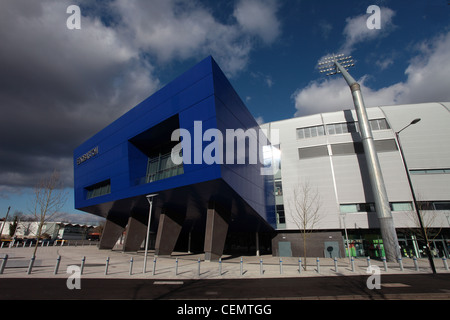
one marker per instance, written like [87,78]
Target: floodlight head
[415,120]
[331,64]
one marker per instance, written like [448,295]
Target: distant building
[51,230]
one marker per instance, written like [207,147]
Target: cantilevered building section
[213,192]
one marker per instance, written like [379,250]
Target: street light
[150,201]
[339,64]
[416,206]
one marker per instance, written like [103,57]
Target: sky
[59,85]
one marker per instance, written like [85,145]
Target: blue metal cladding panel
[245,179]
[203,96]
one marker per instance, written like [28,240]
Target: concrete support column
[169,228]
[135,235]
[111,233]
[215,234]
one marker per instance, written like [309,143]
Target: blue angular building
[215,196]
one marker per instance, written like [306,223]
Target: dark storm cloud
[60,86]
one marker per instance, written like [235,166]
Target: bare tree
[304,206]
[49,198]
[429,221]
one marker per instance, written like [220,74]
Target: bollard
[335,265]
[352,260]
[241,266]
[261,268]
[318,265]
[416,265]
[154,266]
[176,266]
[444,260]
[400,263]
[2,267]
[368,262]
[299,265]
[30,266]
[281,266]
[58,261]
[220,266]
[82,264]
[384,263]
[198,270]
[131,266]
[106,266]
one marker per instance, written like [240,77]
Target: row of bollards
[241,265]
[57,243]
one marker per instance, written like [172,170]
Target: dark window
[98,189]
[385,145]
[312,152]
[347,148]
[440,205]
[280,214]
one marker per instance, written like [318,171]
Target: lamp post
[346,238]
[150,201]
[339,64]
[416,206]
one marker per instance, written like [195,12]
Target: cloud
[172,29]
[60,86]
[384,63]
[426,80]
[264,78]
[259,18]
[324,28]
[57,85]
[356,30]
[259,120]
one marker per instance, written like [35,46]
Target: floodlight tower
[339,64]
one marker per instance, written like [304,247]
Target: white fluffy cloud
[258,17]
[356,30]
[426,80]
[171,29]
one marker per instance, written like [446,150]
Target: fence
[169,267]
[28,243]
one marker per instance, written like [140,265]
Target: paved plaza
[187,266]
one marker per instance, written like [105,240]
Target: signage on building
[87,155]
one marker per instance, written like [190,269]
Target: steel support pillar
[169,228]
[135,234]
[215,233]
[111,233]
